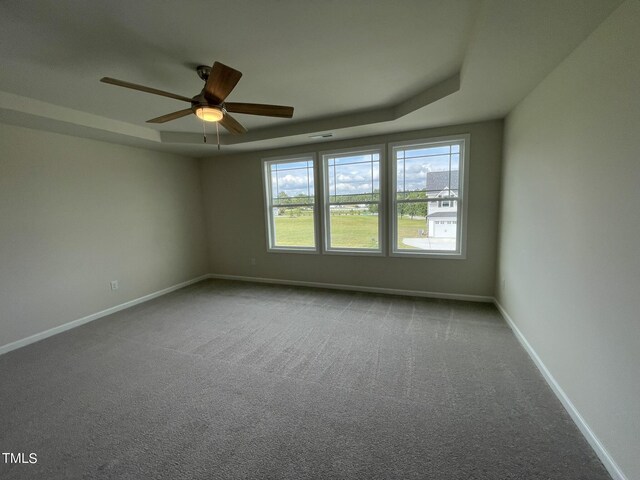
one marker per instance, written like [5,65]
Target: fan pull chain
[218,135]
[204,131]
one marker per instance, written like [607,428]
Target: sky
[354,174]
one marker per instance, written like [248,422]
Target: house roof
[438,181]
[442,215]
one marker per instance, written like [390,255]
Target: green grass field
[347,231]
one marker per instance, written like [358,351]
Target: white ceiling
[351,67]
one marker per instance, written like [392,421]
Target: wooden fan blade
[171,116]
[232,125]
[260,109]
[142,88]
[221,81]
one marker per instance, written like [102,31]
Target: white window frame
[267,191]
[463,195]
[326,201]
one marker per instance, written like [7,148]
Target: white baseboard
[81,321]
[606,459]
[358,288]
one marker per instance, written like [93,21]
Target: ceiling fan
[209,104]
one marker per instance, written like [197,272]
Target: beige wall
[235,219]
[76,213]
[570,228]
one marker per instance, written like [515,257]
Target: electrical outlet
[253,261]
[114,284]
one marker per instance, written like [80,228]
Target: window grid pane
[292,182]
[426,226]
[353,178]
[428,169]
[294,228]
[352,231]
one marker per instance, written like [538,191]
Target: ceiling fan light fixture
[209,114]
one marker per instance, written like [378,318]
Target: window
[289,185]
[427,198]
[420,209]
[352,201]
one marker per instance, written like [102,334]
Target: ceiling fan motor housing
[200,101]
[203,71]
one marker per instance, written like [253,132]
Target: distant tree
[413,209]
[282,199]
[421,209]
[403,209]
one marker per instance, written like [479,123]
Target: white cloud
[293,180]
[289,182]
[345,187]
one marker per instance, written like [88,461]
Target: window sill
[431,255]
[312,251]
[354,252]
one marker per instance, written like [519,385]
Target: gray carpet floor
[230,380]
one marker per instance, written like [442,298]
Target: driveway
[427,243]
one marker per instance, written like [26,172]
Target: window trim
[463,199]
[326,204]
[268,217]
